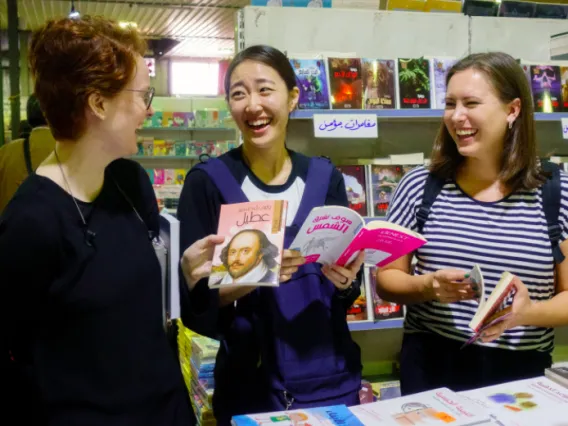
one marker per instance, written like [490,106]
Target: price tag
[346,126]
[565,128]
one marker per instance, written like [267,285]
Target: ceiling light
[74,14]
[125,24]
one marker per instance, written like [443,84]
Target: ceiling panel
[204,28]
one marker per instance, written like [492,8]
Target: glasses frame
[148,95]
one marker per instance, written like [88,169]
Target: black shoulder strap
[432,188]
[551,196]
[28,154]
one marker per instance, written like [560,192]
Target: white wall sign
[564,128]
[345,126]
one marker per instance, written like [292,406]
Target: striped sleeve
[407,198]
[563,216]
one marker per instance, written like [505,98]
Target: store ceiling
[204,28]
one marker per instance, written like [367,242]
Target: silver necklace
[69,188]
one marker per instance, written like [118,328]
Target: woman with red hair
[82,283]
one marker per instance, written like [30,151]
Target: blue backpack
[285,347]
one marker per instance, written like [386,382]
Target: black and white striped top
[507,235]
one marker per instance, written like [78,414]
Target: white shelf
[406,114]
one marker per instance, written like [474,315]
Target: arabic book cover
[414,88]
[336,234]
[355,180]
[382,309]
[440,68]
[546,86]
[345,83]
[435,407]
[379,83]
[311,79]
[254,239]
[384,180]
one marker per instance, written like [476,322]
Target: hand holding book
[196,259]
[291,261]
[343,276]
[450,286]
[509,317]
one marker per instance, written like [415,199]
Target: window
[194,78]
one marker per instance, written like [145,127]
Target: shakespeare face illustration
[246,250]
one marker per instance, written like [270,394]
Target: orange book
[251,254]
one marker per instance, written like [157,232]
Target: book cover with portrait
[345,83]
[251,254]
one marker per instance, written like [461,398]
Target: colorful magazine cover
[414,83]
[345,83]
[311,79]
[378,84]
[546,88]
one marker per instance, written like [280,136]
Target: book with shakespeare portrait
[251,254]
[335,234]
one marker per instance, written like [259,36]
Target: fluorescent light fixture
[74,14]
[125,24]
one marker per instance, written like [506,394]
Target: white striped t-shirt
[507,235]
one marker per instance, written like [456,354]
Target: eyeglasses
[148,95]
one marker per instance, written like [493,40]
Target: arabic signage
[565,128]
[346,126]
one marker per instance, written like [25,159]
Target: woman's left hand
[521,304]
[342,277]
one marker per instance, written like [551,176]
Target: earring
[511,124]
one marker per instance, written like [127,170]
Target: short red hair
[71,59]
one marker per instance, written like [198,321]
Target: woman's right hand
[196,259]
[449,286]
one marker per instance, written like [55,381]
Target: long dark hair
[519,162]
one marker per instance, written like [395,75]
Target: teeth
[465,132]
[258,122]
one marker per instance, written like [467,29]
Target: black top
[198,213]
[90,318]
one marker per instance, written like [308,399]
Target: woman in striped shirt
[489,212]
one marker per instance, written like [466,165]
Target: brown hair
[71,59]
[519,163]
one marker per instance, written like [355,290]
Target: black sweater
[89,319]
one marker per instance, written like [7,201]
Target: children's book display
[251,254]
[335,234]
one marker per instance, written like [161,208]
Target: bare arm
[396,284]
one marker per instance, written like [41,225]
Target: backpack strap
[315,191]
[551,195]
[432,188]
[223,179]
[28,154]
